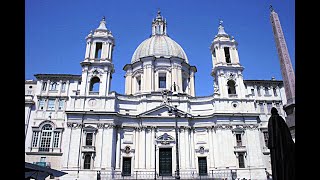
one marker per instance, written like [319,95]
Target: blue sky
[55,34]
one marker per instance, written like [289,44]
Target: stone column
[128,84]
[108,82]
[179,79]
[187,142]
[108,148]
[148,147]
[192,147]
[110,51]
[99,145]
[192,90]
[118,155]
[66,145]
[211,147]
[182,147]
[153,132]
[87,50]
[103,50]
[142,148]
[137,149]
[92,50]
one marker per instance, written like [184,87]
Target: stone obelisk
[286,70]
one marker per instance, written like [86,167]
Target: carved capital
[100,125]
[69,125]
[111,126]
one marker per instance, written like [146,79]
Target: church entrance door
[165,161]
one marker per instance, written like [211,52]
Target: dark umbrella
[40,173]
[282,148]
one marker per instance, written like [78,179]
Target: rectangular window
[89,137]
[259,91]
[56,139]
[239,140]
[275,92]
[35,139]
[185,84]
[44,86]
[98,50]
[261,107]
[42,159]
[51,104]
[45,141]
[162,80]
[227,54]
[269,106]
[266,137]
[61,104]
[266,90]
[252,92]
[241,160]
[41,104]
[139,83]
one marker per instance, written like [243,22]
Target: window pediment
[90,128]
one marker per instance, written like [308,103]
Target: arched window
[227,54]
[231,87]
[266,90]
[94,84]
[44,86]
[63,86]
[53,86]
[46,139]
[98,50]
[138,82]
[87,161]
[185,83]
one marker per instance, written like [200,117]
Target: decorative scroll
[165,139]
[202,150]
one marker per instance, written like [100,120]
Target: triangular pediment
[164,110]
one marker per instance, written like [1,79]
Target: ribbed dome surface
[158,45]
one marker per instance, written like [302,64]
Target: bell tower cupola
[100,43]
[97,66]
[227,70]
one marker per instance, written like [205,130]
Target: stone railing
[240,149]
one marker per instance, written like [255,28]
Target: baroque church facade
[158,128]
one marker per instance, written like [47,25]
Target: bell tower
[227,70]
[97,66]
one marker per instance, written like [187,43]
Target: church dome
[159,45]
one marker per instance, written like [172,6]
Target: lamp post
[175,110]
[155,156]
[174,90]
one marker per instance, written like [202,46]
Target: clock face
[92,102]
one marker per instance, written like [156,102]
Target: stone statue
[216,87]
[282,148]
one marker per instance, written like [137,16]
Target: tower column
[87,50]
[191,83]
[118,155]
